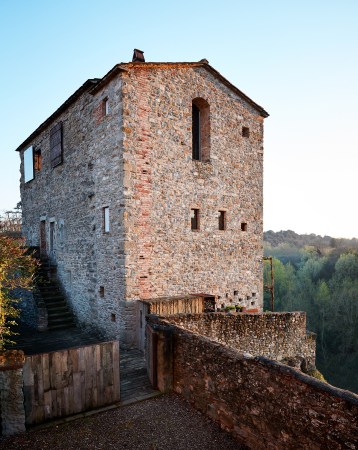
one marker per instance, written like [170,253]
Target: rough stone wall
[28,307]
[137,160]
[278,336]
[265,404]
[12,409]
[164,257]
[72,196]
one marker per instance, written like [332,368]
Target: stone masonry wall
[12,410]
[164,257]
[137,160]
[265,404]
[278,336]
[72,196]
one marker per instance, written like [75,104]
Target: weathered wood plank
[61,383]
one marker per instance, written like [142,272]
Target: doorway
[43,249]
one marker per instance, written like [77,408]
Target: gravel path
[162,423]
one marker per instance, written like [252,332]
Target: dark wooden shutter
[56,146]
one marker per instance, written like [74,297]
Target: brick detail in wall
[143,189]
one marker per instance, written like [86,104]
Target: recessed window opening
[244,226]
[200,130]
[101,291]
[105,106]
[222,220]
[246,132]
[106,219]
[195,219]
[236,293]
[113,317]
[38,160]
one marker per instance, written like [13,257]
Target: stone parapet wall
[265,404]
[12,411]
[278,336]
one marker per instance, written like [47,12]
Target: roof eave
[85,87]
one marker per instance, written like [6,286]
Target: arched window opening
[201,130]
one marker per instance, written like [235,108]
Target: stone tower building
[148,183]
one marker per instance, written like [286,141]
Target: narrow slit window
[200,130]
[244,226]
[101,291]
[222,220]
[105,106]
[196,133]
[106,219]
[195,219]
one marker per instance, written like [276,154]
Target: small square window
[244,226]
[222,220]
[106,219]
[246,132]
[194,219]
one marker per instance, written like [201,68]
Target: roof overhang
[85,87]
[93,86]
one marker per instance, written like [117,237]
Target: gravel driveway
[161,423]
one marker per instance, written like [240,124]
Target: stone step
[61,326]
[54,298]
[60,320]
[57,308]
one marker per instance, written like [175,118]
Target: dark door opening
[43,249]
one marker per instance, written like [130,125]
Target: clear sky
[297,59]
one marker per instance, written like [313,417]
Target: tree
[17,271]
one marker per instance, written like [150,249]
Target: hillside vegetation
[319,275]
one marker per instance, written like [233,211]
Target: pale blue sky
[297,59]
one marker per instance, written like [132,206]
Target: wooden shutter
[56,146]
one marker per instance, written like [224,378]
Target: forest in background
[319,275]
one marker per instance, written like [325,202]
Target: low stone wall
[278,336]
[12,412]
[66,382]
[265,404]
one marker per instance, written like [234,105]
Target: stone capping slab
[276,366]
[11,359]
[161,323]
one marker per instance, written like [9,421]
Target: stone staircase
[50,294]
